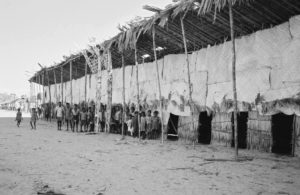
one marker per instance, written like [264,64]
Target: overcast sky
[42,31]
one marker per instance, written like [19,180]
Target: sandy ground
[45,159]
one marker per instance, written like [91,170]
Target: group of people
[144,124]
[79,120]
[34,117]
[76,119]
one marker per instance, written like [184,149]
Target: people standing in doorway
[75,118]
[68,117]
[33,119]
[59,112]
[19,117]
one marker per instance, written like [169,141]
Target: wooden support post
[234,80]
[62,84]
[55,89]
[71,84]
[43,85]
[123,94]
[98,92]
[137,88]
[189,77]
[36,92]
[109,92]
[85,82]
[158,84]
[39,88]
[31,92]
[50,102]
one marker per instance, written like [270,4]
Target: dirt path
[41,160]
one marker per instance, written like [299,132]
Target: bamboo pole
[62,82]
[31,93]
[99,79]
[158,84]
[39,87]
[55,82]
[123,94]
[137,88]
[85,81]
[109,92]
[234,81]
[35,92]
[48,78]
[188,74]
[43,89]
[71,83]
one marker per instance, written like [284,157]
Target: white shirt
[59,111]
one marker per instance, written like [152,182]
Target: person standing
[83,118]
[148,124]
[59,112]
[75,118]
[33,119]
[155,125]
[135,124]
[143,125]
[19,117]
[68,116]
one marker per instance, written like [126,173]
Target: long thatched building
[208,66]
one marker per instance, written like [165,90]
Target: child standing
[129,125]
[75,114]
[148,124]
[89,119]
[19,117]
[143,125]
[68,116]
[155,125]
[59,115]
[33,119]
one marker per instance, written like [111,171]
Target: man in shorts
[68,116]
[59,112]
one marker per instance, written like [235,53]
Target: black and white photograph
[150,97]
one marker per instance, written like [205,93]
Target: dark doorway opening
[204,128]
[282,129]
[242,120]
[172,128]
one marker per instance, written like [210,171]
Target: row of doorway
[282,130]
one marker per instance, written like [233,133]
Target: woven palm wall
[259,133]
[222,128]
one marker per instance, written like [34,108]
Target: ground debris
[239,159]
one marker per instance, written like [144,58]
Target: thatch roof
[78,63]
[206,23]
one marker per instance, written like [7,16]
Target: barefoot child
[75,118]
[33,119]
[19,117]
[59,115]
[83,117]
